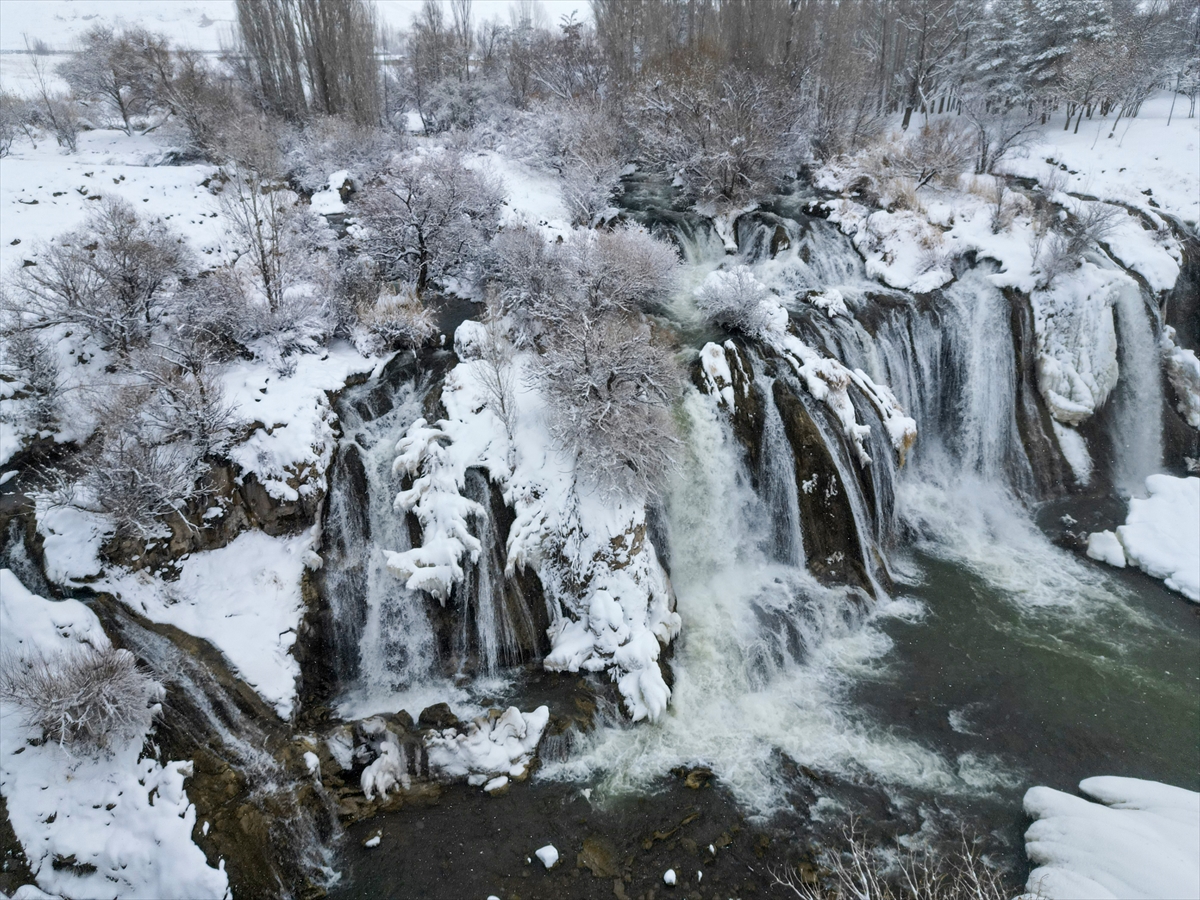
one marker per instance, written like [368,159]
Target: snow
[244,598]
[1140,839]
[1074,450]
[388,770]
[716,373]
[71,541]
[328,200]
[1104,546]
[1146,154]
[669,877]
[290,420]
[199,24]
[499,743]
[128,817]
[548,855]
[1161,535]
[1183,371]
[531,196]
[373,841]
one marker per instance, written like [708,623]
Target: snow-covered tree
[112,277]
[428,218]
[609,388]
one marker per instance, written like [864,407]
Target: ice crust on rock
[490,746]
[1139,839]
[128,817]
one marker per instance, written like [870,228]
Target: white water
[1136,427]
[765,661]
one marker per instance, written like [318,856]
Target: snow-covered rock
[245,598]
[548,855]
[1183,371]
[1161,534]
[1104,546]
[1140,839]
[490,746]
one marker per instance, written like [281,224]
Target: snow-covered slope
[1139,839]
[101,826]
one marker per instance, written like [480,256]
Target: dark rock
[438,716]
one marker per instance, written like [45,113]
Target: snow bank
[71,541]
[125,822]
[500,743]
[1161,535]
[289,419]
[624,613]
[1145,160]
[244,598]
[1105,547]
[1141,839]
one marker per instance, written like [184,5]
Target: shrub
[861,871]
[89,700]
[394,320]
[110,277]
[735,300]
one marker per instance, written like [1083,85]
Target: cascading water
[1135,426]
[387,653]
[777,484]
[769,659]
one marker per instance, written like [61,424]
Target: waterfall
[385,644]
[492,616]
[777,484]
[1135,422]
[763,664]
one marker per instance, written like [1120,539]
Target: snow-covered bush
[428,218]
[609,388]
[394,319]
[113,277]
[526,274]
[32,369]
[735,300]
[1089,224]
[145,462]
[938,151]
[87,699]
[333,144]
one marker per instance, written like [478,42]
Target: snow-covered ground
[1161,535]
[197,24]
[1139,839]
[1145,160]
[102,826]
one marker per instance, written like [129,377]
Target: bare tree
[609,388]
[111,277]
[114,69]
[428,219]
